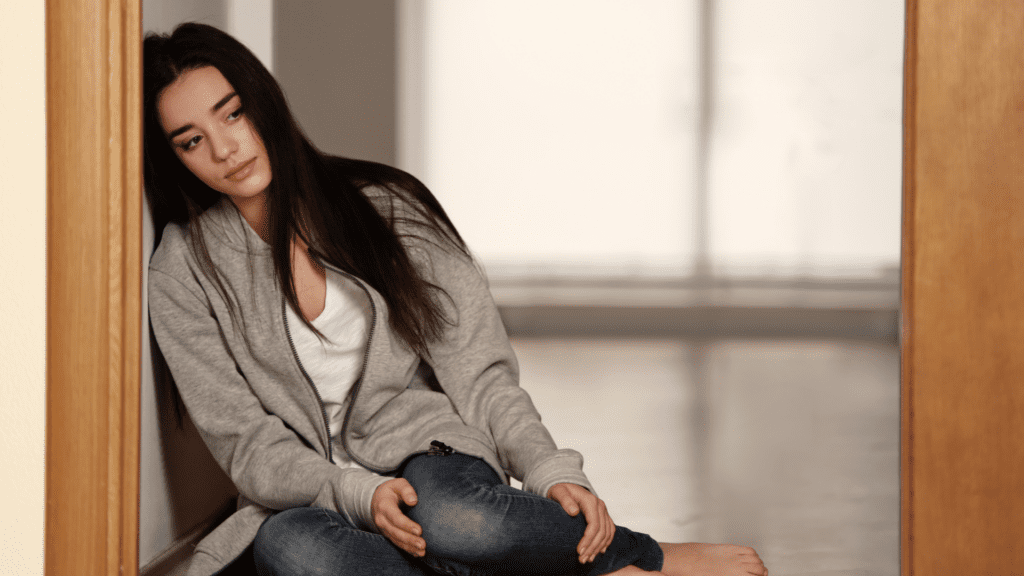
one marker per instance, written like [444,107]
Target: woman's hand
[600,528]
[391,521]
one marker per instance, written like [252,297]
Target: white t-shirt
[335,364]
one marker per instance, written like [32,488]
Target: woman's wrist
[564,466]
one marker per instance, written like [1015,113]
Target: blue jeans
[474,525]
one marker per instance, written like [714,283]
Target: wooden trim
[94,257]
[906,292]
[94,292]
[963,356]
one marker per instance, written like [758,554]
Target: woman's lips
[242,171]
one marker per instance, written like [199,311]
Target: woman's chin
[251,190]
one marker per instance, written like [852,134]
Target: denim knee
[460,529]
[287,541]
[475,524]
[457,509]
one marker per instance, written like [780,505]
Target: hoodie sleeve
[476,367]
[266,460]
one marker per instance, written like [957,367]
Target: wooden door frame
[94,292]
[963,315]
[906,280]
[94,271]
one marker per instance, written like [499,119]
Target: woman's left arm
[477,368]
[473,360]
[475,365]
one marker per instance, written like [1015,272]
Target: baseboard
[698,322]
[699,307]
[172,559]
[882,293]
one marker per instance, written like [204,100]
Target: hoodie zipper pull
[438,448]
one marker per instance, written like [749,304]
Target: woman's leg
[474,524]
[303,541]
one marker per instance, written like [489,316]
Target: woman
[342,358]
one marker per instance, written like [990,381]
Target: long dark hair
[314,196]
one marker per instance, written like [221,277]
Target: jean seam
[461,570]
[330,520]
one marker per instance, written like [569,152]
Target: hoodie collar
[225,223]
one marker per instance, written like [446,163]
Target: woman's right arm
[267,461]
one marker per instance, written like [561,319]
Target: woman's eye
[235,114]
[190,143]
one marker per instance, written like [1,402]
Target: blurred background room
[689,213]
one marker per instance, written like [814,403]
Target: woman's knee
[284,543]
[460,529]
[461,514]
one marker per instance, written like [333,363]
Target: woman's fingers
[397,519]
[391,521]
[593,533]
[407,540]
[606,529]
[565,495]
[403,537]
[609,529]
[406,491]
[560,493]
[600,528]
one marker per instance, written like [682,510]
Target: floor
[790,446]
[787,445]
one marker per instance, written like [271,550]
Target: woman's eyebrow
[220,104]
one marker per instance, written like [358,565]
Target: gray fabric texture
[261,417]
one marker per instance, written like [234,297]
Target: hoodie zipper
[316,391]
[437,448]
[354,393]
[355,386]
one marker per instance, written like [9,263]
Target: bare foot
[694,559]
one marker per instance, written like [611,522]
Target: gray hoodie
[263,420]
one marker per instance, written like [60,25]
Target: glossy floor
[789,446]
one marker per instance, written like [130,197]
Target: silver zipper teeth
[319,399]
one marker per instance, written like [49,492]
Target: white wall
[805,171]
[252,22]
[163,15]
[562,137]
[22,288]
[180,484]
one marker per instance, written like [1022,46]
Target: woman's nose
[222,145]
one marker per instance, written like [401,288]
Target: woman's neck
[254,210]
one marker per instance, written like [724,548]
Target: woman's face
[204,121]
